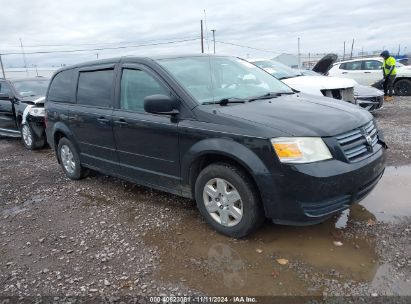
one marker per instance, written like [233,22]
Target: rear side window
[95,88]
[135,86]
[355,65]
[372,65]
[61,87]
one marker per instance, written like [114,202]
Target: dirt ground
[103,236]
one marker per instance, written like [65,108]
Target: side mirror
[5,97]
[160,104]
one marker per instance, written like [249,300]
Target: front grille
[359,143]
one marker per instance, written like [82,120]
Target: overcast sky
[270,25]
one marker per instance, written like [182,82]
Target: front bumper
[304,194]
[37,124]
[371,103]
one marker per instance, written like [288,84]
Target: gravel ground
[103,236]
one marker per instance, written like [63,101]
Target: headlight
[300,149]
[36,111]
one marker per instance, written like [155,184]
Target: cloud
[268,25]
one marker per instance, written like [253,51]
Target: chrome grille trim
[355,144]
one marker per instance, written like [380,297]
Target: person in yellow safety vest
[389,72]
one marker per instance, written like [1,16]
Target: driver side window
[135,86]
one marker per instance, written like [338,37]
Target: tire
[226,189]
[70,160]
[29,139]
[402,87]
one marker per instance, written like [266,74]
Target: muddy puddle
[391,198]
[203,259]
[192,253]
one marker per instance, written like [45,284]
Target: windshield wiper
[225,101]
[269,95]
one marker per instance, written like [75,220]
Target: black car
[217,129]
[22,110]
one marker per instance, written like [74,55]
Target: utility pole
[309,60]
[214,39]
[352,48]
[299,54]
[362,51]
[399,49]
[24,57]
[344,52]
[202,37]
[97,55]
[2,68]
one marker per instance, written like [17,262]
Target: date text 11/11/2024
[202,299]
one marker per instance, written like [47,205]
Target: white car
[338,88]
[367,71]
[315,84]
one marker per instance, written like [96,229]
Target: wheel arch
[60,130]
[215,150]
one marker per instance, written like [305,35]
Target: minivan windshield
[31,87]
[277,69]
[212,78]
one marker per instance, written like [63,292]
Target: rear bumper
[305,194]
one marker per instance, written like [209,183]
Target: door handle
[344,72]
[103,120]
[367,72]
[121,122]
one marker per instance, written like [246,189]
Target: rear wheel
[228,200]
[70,160]
[29,139]
[402,87]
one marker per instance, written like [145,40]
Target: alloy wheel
[223,202]
[67,159]
[27,136]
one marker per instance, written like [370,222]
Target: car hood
[34,100]
[300,115]
[325,63]
[366,91]
[314,84]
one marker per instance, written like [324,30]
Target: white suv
[367,71]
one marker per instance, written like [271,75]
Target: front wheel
[29,138]
[228,200]
[402,87]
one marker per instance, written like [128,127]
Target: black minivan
[216,129]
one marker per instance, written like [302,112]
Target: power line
[81,44]
[248,47]
[102,48]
